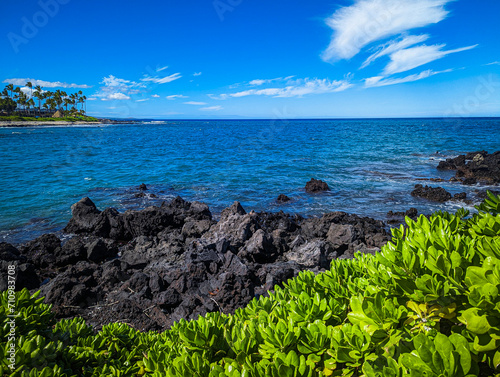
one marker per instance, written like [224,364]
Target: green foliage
[427,305]
[7,105]
[81,118]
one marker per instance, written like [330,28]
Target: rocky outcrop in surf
[474,167]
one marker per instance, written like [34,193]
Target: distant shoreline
[17,123]
[30,123]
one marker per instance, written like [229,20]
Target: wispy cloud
[155,96]
[45,84]
[195,103]
[295,88]
[395,45]
[161,80]
[197,74]
[211,108]
[161,68]
[223,96]
[407,59]
[142,100]
[175,96]
[367,21]
[377,81]
[493,63]
[258,82]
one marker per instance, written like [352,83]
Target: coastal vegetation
[34,101]
[76,118]
[427,304]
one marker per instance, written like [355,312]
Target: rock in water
[435,194]
[474,167]
[85,216]
[316,185]
[283,199]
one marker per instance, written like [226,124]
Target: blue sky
[259,59]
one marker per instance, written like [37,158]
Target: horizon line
[284,119]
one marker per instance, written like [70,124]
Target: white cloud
[407,59]
[27,90]
[377,81]
[175,96]
[211,108]
[155,96]
[367,21]
[195,103]
[395,45]
[115,88]
[142,100]
[197,74]
[493,63]
[115,96]
[45,84]
[161,68]
[162,80]
[258,82]
[296,88]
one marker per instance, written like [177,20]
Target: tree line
[39,102]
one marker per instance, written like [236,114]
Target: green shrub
[427,305]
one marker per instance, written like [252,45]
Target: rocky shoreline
[153,267]
[29,123]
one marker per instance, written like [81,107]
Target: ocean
[371,166]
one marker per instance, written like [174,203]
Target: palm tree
[39,95]
[30,103]
[52,103]
[73,97]
[67,101]
[23,100]
[58,99]
[78,98]
[17,92]
[10,88]
[81,99]
[30,85]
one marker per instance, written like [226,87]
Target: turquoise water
[370,165]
